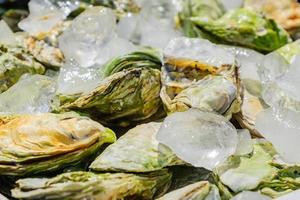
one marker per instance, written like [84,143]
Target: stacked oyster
[142,99]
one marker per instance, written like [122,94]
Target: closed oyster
[32,144]
[87,185]
[15,62]
[130,96]
[246,28]
[136,151]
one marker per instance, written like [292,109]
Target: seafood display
[149,100]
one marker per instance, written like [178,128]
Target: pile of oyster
[140,99]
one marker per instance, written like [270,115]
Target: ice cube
[272,66]
[159,9]
[32,94]
[66,6]
[232,4]
[283,89]
[74,79]
[290,81]
[163,32]
[7,37]
[156,18]
[200,138]
[127,28]
[43,17]
[115,47]
[200,50]
[88,34]
[290,196]
[245,143]
[281,127]
[249,195]
[248,61]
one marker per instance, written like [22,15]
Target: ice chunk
[290,196]
[281,127]
[245,143]
[283,89]
[163,34]
[88,34]
[248,60]
[87,44]
[272,66]
[232,4]
[74,79]
[32,94]
[6,35]
[249,195]
[66,6]
[199,138]
[156,18]
[128,27]
[92,38]
[159,9]
[43,17]
[290,82]
[116,47]
[199,49]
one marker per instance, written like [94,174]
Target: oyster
[213,94]
[251,95]
[32,144]
[130,96]
[206,10]
[248,195]
[260,171]
[50,56]
[201,191]
[246,28]
[136,151]
[193,77]
[87,185]
[146,58]
[15,62]
[284,12]
[237,168]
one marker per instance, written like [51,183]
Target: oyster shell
[193,76]
[246,28]
[50,56]
[202,190]
[15,62]
[284,12]
[88,185]
[136,151]
[130,96]
[32,144]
